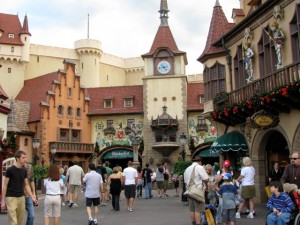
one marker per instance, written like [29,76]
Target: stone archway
[296,140]
[262,155]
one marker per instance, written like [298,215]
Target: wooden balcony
[67,147]
[276,93]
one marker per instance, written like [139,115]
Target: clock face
[164,67]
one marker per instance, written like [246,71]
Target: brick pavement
[156,211]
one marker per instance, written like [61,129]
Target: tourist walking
[93,184]
[200,179]
[140,182]
[130,181]
[160,181]
[175,180]
[29,206]
[102,171]
[147,173]
[74,181]
[166,174]
[115,182]
[52,204]
[248,187]
[13,197]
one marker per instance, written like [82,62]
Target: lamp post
[134,133]
[36,144]
[53,151]
[182,141]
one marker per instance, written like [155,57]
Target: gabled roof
[194,90]
[219,26]
[163,39]
[34,91]
[117,94]
[10,24]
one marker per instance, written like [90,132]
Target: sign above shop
[118,154]
[264,120]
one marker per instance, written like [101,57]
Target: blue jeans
[148,190]
[283,219]
[30,211]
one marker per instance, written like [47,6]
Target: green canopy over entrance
[233,141]
[118,154]
[209,153]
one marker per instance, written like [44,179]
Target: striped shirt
[282,203]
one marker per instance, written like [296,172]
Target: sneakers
[63,204]
[237,215]
[250,215]
[91,222]
[70,204]
[130,210]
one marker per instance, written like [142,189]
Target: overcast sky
[126,28]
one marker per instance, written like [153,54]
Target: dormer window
[128,101]
[11,36]
[108,102]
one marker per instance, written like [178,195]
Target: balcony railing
[284,76]
[72,147]
[276,93]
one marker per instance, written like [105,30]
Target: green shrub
[180,166]
[39,171]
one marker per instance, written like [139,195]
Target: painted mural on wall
[118,134]
[201,137]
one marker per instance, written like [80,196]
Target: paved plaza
[155,211]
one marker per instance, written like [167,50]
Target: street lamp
[53,151]
[36,144]
[182,141]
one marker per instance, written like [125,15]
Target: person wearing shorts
[94,184]
[130,176]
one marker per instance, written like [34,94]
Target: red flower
[226,112]
[284,91]
[236,109]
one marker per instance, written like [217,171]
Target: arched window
[239,69]
[294,28]
[26,142]
[69,111]
[78,112]
[60,110]
[266,54]
[214,81]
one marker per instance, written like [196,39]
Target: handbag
[194,191]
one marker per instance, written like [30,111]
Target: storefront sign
[118,154]
[264,120]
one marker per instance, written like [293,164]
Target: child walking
[228,192]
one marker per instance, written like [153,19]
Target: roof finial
[217,3]
[164,13]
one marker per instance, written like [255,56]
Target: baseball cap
[226,163]
[227,176]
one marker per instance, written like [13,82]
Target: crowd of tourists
[227,195]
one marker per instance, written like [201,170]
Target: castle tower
[25,38]
[89,51]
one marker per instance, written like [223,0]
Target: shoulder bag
[194,192]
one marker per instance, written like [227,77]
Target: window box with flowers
[173,138]
[158,138]
[221,98]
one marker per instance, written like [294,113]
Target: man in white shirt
[94,184]
[130,176]
[201,179]
[74,180]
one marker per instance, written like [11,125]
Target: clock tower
[165,87]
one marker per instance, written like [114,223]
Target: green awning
[118,154]
[208,153]
[233,141]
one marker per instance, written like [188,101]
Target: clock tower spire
[163,13]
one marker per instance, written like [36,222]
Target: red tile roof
[118,94]
[194,90]
[34,91]
[219,26]
[10,24]
[163,39]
